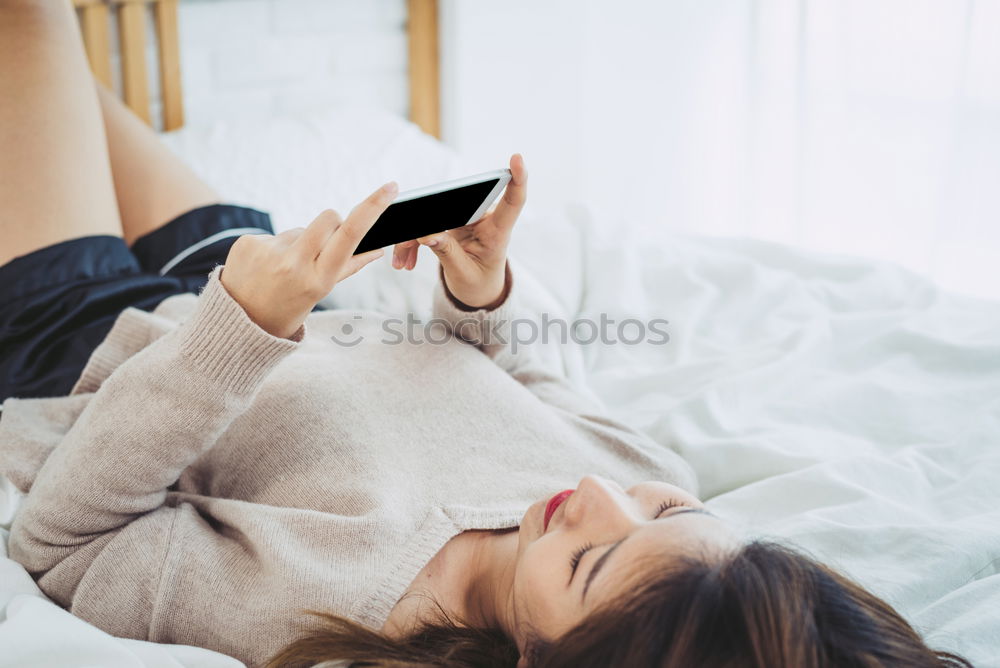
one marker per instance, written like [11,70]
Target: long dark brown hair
[764,605]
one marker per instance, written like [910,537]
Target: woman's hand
[279,279]
[474,257]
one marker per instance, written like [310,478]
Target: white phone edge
[503,176]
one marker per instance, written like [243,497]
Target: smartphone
[432,209]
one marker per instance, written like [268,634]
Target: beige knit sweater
[206,480]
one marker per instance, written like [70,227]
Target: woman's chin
[532,522]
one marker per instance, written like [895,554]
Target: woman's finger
[401,252]
[449,252]
[312,240]
[514,197]
[340,247]
[291,234]
[288,238]
[357,262]
[411,257]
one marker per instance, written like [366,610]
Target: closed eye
[604,557]
[665,506]
[578,554]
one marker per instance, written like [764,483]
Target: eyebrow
[604,557]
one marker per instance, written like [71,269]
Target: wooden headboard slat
[132,40]
[95,19]
[425,77]
[94,24]
[167,42]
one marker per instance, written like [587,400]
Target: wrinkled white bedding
[845,405]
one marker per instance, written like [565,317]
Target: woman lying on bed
[212,463]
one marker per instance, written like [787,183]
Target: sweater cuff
[227,346]
[482,326]
[495,304]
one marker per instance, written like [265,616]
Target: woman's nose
[603,502]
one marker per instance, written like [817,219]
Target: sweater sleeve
[506,334]
[97,503]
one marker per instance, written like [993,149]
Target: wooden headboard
[95,23]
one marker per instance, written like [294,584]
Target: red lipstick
[550,507]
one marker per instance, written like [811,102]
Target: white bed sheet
[845,405]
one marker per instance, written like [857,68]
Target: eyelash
[579,552]
[666,505]
[577,555]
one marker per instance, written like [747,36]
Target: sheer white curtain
[862,126]
[892,142]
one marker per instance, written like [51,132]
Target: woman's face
[611,529]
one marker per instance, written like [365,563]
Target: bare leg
[152,184]
[55,174]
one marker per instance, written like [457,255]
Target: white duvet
[844,405]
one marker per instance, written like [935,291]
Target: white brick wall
[279,56]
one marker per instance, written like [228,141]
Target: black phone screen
[429,214]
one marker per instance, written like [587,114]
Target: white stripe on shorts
[235,232]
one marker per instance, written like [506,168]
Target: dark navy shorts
[58,303]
